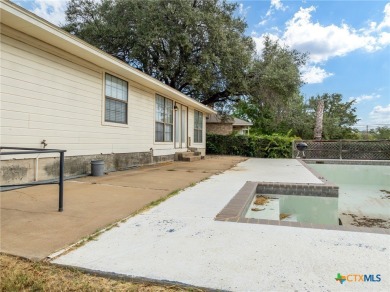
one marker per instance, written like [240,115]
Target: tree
[273,94]
[339,116]
[319,119]
[197,47]
[275,74]
[299,118]
[381,133]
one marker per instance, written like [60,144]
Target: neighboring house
[226,125]
[58,88]
[241,127]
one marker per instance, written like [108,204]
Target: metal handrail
[40,151]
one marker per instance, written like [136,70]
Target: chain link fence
[344,149]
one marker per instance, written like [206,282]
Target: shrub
[264,146]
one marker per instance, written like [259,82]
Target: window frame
[167,121]
[116,100]
[198,115]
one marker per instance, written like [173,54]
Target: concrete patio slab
[31,227]
[179,241]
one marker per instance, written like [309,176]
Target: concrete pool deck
[179,241]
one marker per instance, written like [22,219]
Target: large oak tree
[273,100]
[195,46]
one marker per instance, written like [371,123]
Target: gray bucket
[97,167]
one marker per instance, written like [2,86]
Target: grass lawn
[23,275]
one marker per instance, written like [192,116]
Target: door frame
[179,142]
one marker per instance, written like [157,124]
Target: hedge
[264,146]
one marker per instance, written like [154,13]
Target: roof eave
[30,24]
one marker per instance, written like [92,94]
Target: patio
[180,242]
[31,227]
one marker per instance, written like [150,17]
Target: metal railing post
[24,150]
[292,150]
[61,184]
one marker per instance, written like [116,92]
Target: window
[164,119]
[116,100]
[198,127]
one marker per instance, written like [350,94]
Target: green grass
[23,275]
[156,202]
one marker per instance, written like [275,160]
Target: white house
[61,91]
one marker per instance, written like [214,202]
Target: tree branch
[218,96]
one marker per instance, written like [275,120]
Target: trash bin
[97,167]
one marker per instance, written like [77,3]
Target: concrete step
[186,154]
[191,158]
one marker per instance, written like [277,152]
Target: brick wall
[219,129]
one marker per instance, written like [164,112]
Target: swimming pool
[293,208]
[362,198]
[364,192]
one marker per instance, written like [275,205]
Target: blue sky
[348,43]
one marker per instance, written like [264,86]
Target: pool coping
[236,209]
[344,161]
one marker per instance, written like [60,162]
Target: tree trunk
[319,120]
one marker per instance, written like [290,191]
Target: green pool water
[361,188]
[304,209]
[374,175]
[361,194]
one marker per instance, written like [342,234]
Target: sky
[348,44]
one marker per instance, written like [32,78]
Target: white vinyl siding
[49,94]
[198,127]
[47,97]
[164,119]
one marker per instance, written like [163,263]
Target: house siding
[48,94]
